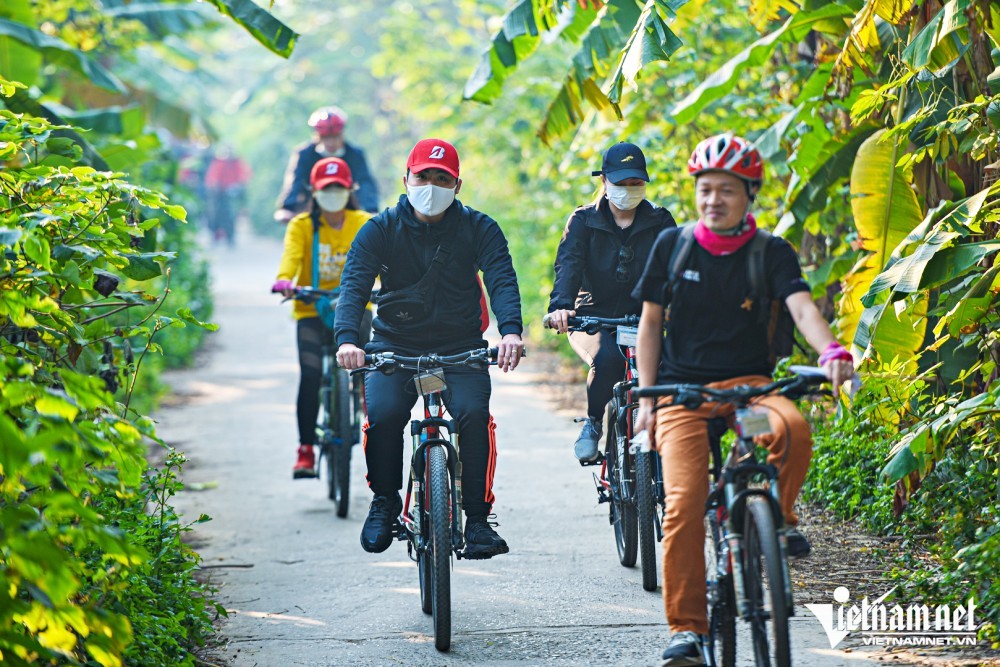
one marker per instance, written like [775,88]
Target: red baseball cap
[330,170]
[433,154]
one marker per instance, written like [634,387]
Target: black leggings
[311,335]
[607,367]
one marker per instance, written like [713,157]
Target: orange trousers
[682,442]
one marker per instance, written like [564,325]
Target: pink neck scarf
[717,244]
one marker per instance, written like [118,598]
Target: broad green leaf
[19,62]
[266,29]
[162,19]
[954,262]
[651,41]
[58,52]
[517,39]
[902,461]
[885,211]
[600,45]
[56,404]
[967,314]
[937,43]
[141,267]
[8,237]
[127,122]
[832,163]
[725,78]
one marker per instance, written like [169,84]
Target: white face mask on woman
[626,197]
[430,200]
[332,200]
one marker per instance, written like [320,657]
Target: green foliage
[72,310]
[168,607]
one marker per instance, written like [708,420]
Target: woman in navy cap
[602,253]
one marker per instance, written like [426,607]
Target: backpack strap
[679,255]
[756,275]
[314,216]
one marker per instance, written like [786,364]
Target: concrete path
[299,588]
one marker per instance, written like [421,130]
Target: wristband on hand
[282,285]
[834,352]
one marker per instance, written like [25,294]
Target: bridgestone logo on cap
[437,153]
[331,168]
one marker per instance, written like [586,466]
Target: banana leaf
[18,62]
[885,211]
[266,29]
[59,53]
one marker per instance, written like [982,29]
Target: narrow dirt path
[299,588]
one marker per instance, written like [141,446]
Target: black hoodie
[398,248]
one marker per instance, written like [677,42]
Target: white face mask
[430,200]
[332,200]
[626,197]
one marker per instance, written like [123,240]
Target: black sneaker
[377,533]
[481,541]
[684,650]
[796,544]
[590,439]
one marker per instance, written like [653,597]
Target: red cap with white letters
[433,154]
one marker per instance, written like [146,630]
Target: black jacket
[397,247]
[295,191]
[588,277]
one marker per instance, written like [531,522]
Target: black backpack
[771,311]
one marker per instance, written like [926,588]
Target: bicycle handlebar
[387,362]
[591,324]
[691,396]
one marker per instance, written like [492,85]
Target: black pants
[390,399]
[311,335]
[607,367]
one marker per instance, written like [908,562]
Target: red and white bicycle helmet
[730,154]
[328,120]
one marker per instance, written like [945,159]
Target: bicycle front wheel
[341,475]
[646,515]
[623,515]
[721,610]
[764,574]
[439,545]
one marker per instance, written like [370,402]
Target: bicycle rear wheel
[623,515]
[439,545]
[646,518]
[763,571]
[721,609]
[341,474]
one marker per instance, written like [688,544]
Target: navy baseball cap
[622,161]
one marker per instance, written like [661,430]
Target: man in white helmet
[328,141]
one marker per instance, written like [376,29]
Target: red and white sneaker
[305,466]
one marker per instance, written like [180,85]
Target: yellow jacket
[296,260]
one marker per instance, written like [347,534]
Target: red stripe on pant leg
[491,462]
[364,445]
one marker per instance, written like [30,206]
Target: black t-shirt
[714,331]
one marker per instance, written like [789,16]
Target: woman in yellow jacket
[330,226]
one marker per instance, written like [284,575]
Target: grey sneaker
[589,440]
[797,546]
[684,650]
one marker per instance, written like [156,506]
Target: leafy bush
[73,260]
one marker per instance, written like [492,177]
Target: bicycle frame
[733,481]
[426,433]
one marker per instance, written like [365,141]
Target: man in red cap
[428,250]
[328,125]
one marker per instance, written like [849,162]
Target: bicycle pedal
[599,459]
